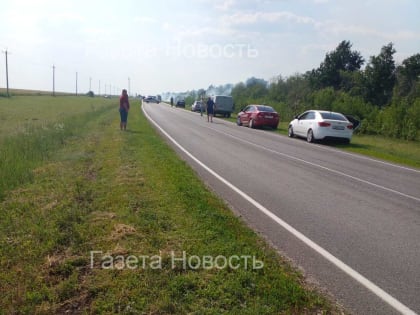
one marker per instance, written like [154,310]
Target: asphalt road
[351,223]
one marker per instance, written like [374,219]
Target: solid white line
[372,160]
[397,305]
[319,166]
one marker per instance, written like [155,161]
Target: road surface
[350,222]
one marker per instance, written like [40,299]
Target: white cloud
[290,36]
[338,29]
[145,20]
[225,5]
[271,17]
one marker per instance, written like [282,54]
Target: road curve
[351,223]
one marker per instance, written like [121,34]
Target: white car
[319,125]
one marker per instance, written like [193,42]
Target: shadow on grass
[133,131]
[342,144]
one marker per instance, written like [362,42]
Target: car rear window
[333,116]
[265,109]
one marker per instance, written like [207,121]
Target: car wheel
[290,132]
[238,121]
[251,124]
[310,136]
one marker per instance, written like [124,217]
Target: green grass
[32,128]
[128,194]
[399,151]
[20,113]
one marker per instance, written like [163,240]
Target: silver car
[319,125]
[198,106]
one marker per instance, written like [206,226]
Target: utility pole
[76,83]
[7,75]
[53,80]
[99,93]
[128,86]
[90,84]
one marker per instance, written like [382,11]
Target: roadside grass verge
[127,194]
[404,152]
[398,151]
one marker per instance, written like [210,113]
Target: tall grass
[20,153]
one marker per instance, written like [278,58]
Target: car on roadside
[198,106]
[321,125]
[255,116]
[223,105]
[180,103]
[151,99]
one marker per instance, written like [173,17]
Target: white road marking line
[390,300]
[319,166]
[373,160]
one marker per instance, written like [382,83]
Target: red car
[255,116]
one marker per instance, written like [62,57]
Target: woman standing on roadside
[124,108]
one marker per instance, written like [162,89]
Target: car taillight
[323,124]
[350,126]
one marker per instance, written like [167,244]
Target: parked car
[198,106]
[223,105]
[151,99]
[319,125]
[255,116]
[180,103]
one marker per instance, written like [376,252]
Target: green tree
[407,75]
[298,93]
[239,95]
[342,59]
[323,99]
[380,76]
[277,90]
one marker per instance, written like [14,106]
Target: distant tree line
[385,96]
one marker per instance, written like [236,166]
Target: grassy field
[95,226]
[20,113]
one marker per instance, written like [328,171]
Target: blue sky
[183,45]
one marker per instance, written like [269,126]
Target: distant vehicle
[151,99]
[159,98]
[198,106]
[224,105]
[255,116]
[180,103]
[319,125]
